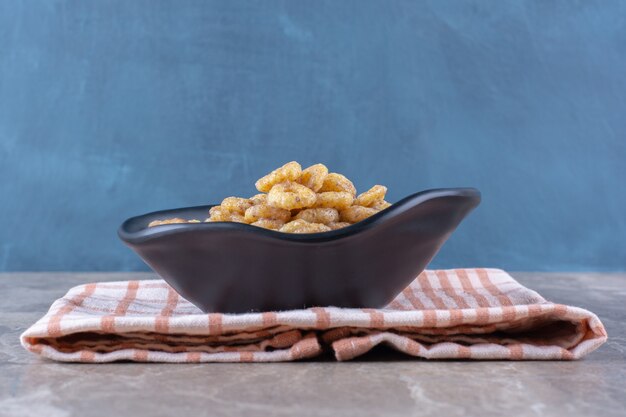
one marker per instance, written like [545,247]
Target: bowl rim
[144,234]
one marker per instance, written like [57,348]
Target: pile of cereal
[294,200]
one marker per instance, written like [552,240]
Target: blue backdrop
[114,108]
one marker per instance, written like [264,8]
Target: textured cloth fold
[444,314]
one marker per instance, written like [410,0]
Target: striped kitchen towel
[444,314]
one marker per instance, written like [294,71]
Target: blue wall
[113,108]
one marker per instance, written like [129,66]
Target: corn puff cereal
[296,200]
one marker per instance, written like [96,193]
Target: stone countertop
[381,383]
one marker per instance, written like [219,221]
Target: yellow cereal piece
[338,225]
[236,204]
[232,217]
[290,195]
[313,177]
[258,199]
[174,220]
[265,211]
[337,182]
[355,214]
[194,221]
[271,224]
[220,214]
[289,172]
[380,205]
[323,215]
[374,194]
[302,226]
[236,217]
[339,200]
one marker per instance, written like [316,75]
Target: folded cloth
[444,314]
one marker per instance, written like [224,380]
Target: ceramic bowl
[233,267]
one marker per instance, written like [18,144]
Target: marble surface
[382,383]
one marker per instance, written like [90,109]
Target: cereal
[265,211]
[238,218]
[289,172]
[258,199]
[323,215]
[220,214]
[225,216]
[355,214]
[217,210]
[371,196]
[236,204]
[292,200]
[313,177]
[337,182]
[338,225]
[380,205]
[290,195]
[334,199]
[271,224]
[302,226]
[166,221]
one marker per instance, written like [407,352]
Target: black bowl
[233,267]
